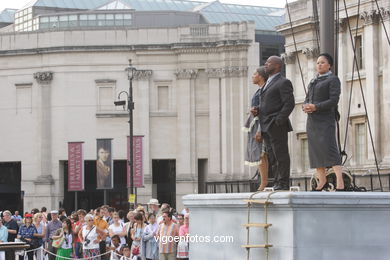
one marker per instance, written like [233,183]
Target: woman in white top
[89,239]
[117,228]
[66,247]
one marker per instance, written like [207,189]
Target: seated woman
[255,154]
[321,105]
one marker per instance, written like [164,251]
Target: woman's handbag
[135,250]
[57,243]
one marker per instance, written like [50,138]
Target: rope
[109,252]
[363,97]
[352,81]
[383,24]
[295,45]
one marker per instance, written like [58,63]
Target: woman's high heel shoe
[324,187]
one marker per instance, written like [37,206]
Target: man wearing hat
[154,206]
[51,229]
[13,229]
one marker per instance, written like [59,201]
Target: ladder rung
[257,246]
[258,201]
[263,225]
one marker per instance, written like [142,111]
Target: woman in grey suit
[320,106]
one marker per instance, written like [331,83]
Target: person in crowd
[91,236]
[180,220]
[122,215]
[141,209]
[51,229]
[17,217]
[182,246]
[34,211]
[100,223]
[153,206]
[165,207]
[117,228]
[3,238]
[76,229]
[321,108]
[150,243]
[12,228]
[276,104]
[126,253]
[65,250]
[128,226]
[26,234]
[115,247]
[167,232]
[40,235]
[255,154]
[62,212]
[44,215]
[136,235]
[106,214]
[185,211]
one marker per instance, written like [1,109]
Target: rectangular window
[106,98]
[360,143]
[359,52]
[163,98]
[23,98]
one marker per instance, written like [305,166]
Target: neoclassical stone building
[60,86]
[373,56]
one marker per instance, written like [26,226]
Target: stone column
[215,148]
[371,67]
[186,158]
[385,97]
[44,182]
[142,127]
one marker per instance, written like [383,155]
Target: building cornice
[229,71]
[193,47]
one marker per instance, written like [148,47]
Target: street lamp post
[130,107]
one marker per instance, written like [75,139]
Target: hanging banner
[75,166]
[104,169]
[137,162]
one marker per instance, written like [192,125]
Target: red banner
[137,162]
[75,166]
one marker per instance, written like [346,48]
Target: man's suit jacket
[276,103]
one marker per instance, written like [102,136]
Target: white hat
[54,212]
[153,202]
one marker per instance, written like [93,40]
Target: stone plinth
[305,225]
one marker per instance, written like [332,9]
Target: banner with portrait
[75,166]
[138,178]
[104,164]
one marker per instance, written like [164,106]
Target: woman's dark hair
[328,57]
[116,236]
[139,216]
[261,71]
[151,215]
[68,224]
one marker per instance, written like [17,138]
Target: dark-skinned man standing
[276,104]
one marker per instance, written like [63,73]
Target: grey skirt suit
[324,92]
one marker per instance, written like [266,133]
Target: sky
[17,4]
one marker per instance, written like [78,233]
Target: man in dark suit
[276,104]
